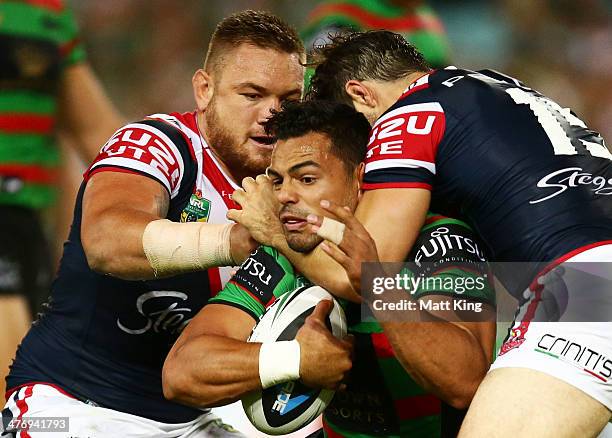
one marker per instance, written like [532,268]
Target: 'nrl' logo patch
[198,209]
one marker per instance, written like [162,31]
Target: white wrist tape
[173,248]
[331,230]
[279,362]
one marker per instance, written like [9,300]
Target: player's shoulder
[442,236]
[455,89]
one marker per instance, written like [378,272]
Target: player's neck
[390,92]
[202,128]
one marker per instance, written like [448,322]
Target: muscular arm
[211,364]
[446,358]
[116,209]
[87,118]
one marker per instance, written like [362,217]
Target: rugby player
[318,156]
[47,88]
[149,232]
[524,172]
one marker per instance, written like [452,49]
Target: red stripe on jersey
[534,284]
[329,431]
[410,23]
[214,280]
[23,408]
[255,297]
[26,123]
[381,345]
[57,388]
[432,219]
[218,180]
[397,185]
[29,173]
[88,174]
[411,135]
[52,5]
[67,48]
[417,406]
[143,146]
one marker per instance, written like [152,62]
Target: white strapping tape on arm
[279,362]
[173,248]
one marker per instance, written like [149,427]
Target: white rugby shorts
[44,411]
[578,351]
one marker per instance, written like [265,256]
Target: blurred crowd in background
[145,51]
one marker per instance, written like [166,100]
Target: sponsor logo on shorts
[581,356]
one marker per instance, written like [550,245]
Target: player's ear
[203,88]
[360,94]
[359,173]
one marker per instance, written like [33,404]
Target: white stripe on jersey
[131,163]
[168,142]
[400,162]
[406,109]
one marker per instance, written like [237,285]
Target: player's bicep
[219,320]
[393,217]
[125,192]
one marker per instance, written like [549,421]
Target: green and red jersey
[381,399]
[419,25]
[38,40]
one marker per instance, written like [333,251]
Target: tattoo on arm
[162,202]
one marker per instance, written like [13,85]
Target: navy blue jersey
[104,339]
[528,175]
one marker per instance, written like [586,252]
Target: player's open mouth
[293,223]
[264,141]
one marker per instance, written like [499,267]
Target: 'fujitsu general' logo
[564,179]
[171,319]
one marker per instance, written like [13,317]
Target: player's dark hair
[262,29]
[375,55]
[347,129]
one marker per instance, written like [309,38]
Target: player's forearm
[320,269]
[442,357]
[211,370]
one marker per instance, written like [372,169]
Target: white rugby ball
[289,406]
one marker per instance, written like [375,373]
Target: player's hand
[241,244]
[324,359]
[259,213]
[355,247]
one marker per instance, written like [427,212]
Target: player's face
[250,83]
[304,172]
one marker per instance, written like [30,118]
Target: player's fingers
[262,179]
[239,196]
[248,183]
[233,214]
[337,254]
[321,310]
[344,214]
[330,229]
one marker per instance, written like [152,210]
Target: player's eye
[308,180]
[276,183]
[252,96]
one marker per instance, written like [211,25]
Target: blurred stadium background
[145,51]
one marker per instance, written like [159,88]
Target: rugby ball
[289,406]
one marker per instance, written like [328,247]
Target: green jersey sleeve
[263,277]
[71,47]
[448,258]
